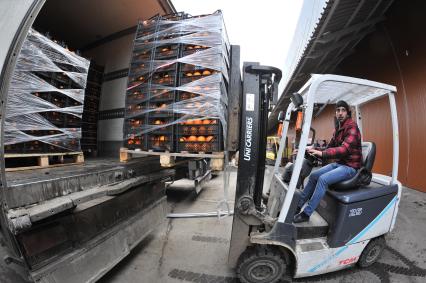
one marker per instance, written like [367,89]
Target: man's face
[341,114]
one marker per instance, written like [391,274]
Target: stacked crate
[176,99]
[148,115]
[89,127]
[45,99]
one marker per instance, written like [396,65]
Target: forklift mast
[260,92]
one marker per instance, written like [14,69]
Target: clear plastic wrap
[178,76]
[47,86]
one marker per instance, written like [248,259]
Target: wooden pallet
[168,159]
[43,160]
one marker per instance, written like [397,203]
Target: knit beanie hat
[342,103]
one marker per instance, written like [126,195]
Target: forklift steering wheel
[311,157]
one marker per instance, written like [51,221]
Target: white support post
[394,116]
[302,147]
[283,137]
[359,120]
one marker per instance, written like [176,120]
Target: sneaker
[298,210]
[301,217]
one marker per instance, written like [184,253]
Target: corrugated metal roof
[343,24]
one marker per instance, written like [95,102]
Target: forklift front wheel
[372,252]
[261,265]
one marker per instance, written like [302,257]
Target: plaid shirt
[345,145]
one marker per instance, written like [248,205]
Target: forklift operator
[345,148]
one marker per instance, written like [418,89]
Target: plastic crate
[196,130]
[166,51]
[64,146]
[33,147]
[136,95]
[135,143]
[160,142]
[134,110]
[191,76]
[183,95]
[157,96]
[164,78]
[197,147]
[191,49]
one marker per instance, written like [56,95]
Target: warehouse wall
[396,54]
[324,124]
[115,56]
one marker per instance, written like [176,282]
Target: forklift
[349,225]
[272,143]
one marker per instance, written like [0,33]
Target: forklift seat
[363,176]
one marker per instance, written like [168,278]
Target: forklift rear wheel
[261,265]
[372,252]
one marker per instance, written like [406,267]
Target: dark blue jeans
[319,182]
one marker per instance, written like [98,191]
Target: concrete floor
[196,249]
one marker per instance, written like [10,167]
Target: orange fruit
[192,138]
[182,139]
[206,121]
[198,122]
[196,73]
[206,73]
[188,74]
[158,122]
[193,130]
[162,138]
[189,122]
[214,122]
[201,139]
[209,138]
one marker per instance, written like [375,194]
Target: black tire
[372,252]
[261,265]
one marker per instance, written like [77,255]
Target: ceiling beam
[108,38]
[326,38]
[330,65]
[320,52]
[167,6]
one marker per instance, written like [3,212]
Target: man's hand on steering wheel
[295,151]
[316,153]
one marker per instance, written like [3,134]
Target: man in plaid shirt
[345,148]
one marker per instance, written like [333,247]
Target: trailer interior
[74,223]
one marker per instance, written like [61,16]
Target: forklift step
[316,227]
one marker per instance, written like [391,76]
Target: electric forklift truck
[349,225]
